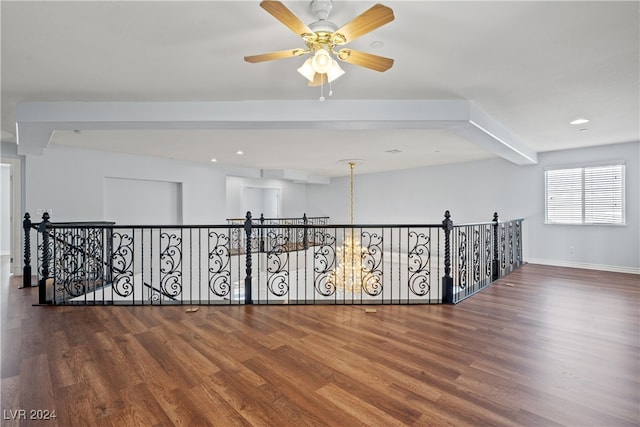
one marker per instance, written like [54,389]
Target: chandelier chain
[351,166]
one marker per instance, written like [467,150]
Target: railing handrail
[84,224]
[54,225]
[471,224]
[278,219]
[35,225]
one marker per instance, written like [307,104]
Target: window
[585,195]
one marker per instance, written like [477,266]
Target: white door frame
[16,215]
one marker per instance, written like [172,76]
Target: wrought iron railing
[258,263]
[295,236]
[304,220]
[482,253]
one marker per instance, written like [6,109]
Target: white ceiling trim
[36,121]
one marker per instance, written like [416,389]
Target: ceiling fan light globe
[307,70]
[321,61]
[335,71]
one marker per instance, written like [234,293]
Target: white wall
[141,201]
[473,191]
[5,212]
[70,181]
[595,246]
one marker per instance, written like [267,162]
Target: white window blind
[585,195]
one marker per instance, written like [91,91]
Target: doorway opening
[261,200]
[10,214]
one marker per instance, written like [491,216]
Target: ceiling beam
[36,121]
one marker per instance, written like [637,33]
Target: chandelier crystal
[350,277]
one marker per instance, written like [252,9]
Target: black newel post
[305,237]
[247,279]
[261,248]
[46,257]
[108,266]
[26,269]
[447,280]
[496,262]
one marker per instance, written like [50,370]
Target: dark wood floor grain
[545,346]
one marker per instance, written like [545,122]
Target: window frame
[583,167]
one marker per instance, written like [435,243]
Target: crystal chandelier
[348,277]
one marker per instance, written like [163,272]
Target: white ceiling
[531,66]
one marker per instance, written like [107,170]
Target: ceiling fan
[322,37]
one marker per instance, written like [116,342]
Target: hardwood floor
[544,346]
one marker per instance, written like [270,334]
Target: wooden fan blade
[274,55]
[318,79]
[373,18]
[284,15]
[374,62]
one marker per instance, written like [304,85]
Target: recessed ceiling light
[239,152]
[579,121]
[376,44]
[393,151]
[213,160]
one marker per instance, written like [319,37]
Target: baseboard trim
[587,266]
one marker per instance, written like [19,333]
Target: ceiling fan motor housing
[321,9]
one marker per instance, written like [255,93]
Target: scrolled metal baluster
[419,260]
[277,263]
[70,260]
[488,249]
[219,262]
[518,243]
[372,263]
[171,264]
[122,263]
[462,259]
[476,255]
[95,256]
[324,261]
[511,243]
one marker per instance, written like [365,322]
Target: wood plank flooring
[558,347]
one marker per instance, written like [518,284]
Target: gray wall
[473,191]
[9,156]
[5,209]
[71,181]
